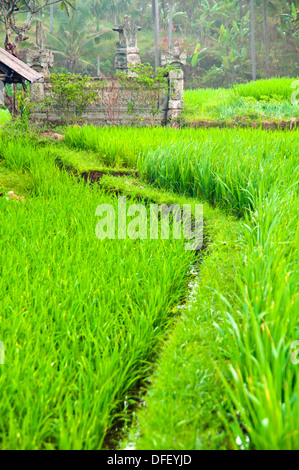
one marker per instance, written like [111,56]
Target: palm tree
[241,9]
[77,40]
[51,18]
[266,38]
[170,22]
[155,8]
[253,55]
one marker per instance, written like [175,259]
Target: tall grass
[230,169]
[255,175]
[266,387]
[114,148]
[274,87]
[18,156]
[5,117]
[97,310]
[262,100]
[80,318]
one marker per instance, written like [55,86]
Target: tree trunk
[41,35]
[241,9]
[37,33]
[51,18]
[143,7]
[253,56]
[266,38]
[9,21]
[155,6]
[170,23]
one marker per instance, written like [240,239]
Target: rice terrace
[149,271]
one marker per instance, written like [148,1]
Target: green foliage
[106,67]
[289,22]
[5,117]
[254,294]
[82,320]
[25,107]
[20,105]
[70,94]
[67,5]
[146,84]
[198,53]
[117,147]
[254,174]
[78,41]
[12,12]
[227,361]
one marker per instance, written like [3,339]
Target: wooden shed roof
[19,67]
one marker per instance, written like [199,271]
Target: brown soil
[52,135]
[12,195]
[95,176]
[92,177]
[136,398]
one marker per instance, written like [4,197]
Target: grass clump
[257,179]
[231,169]
[187,399]
[5,117]
[84,319]
[260,101]
[280,88]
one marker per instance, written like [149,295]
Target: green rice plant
[83,320]
[263,100]
[226,168]
[187,399]
[271,88]
[114,149]
[203,103]
[16,155]
[5,117]
[118,147]
[265,388]
[255,175]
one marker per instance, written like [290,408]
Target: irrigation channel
[120,430]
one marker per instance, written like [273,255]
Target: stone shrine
[127,52]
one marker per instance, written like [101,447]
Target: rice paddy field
[140,344]
[270,102]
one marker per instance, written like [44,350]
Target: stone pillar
[40,60]
[176,94]
[127,52]
[177,59]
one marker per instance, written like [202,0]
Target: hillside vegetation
[216,36]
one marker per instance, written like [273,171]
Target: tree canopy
[225,40]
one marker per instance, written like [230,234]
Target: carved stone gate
[127,54]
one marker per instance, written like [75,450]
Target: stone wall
[169,105]
[98,114]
